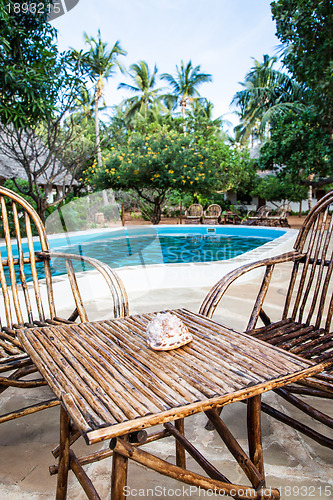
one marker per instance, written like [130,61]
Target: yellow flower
[156,175]
[170,171]
[136,172]
[196,178]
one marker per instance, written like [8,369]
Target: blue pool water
[159,245]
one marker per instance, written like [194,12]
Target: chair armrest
[120,300]
[216,293]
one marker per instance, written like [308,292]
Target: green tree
[305,28]
[30,66]
[200,120]
[144,88]
[158,162]
[47,154]
[100,64]
[299,150]
[185,85]
[267,94]
[277,188]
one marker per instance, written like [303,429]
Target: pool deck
[296,464]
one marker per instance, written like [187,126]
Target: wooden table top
[112,383]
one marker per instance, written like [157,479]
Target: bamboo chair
[306,317]
[212,214]
[281,218]
[260,218]
[31,304]
[194,214]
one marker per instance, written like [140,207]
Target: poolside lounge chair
[32,304]
[260,217]
[304,327]
[280,219]
[194,214]
[212,214]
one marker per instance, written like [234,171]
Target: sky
[222,36]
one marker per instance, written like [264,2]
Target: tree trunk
[41,209]
[310,191]
[183,106]
[98,95]
[156,213]
[98,143]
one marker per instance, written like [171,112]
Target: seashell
[166,331]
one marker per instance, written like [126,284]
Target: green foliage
[299,146]
[273,188]
[162,161]
[144,82]
[30,69]
[305,28]
[267,94]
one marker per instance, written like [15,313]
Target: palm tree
[267,93]
[184,85]
[144,83]
[83,106]
[100,64]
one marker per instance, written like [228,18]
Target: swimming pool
[153,245]
[166,245]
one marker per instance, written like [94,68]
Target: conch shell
[166,331]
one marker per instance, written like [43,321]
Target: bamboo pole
[254,475]
[83,478]
[119,474]
[188,477]
[254,433]
[198,457]
[63,455]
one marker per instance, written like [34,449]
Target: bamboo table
[112,386]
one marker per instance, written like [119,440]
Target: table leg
[119,474]
[63,455]
[254,432]
[180,451]
[256,478]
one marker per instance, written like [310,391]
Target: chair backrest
[18,263]
[283,211]
[263,211]
[195,210]
[213,210]
[309,297]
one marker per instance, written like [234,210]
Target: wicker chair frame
[212,214]
[306,317]
[24,305]
[194,214]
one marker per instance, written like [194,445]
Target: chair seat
[299,338]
